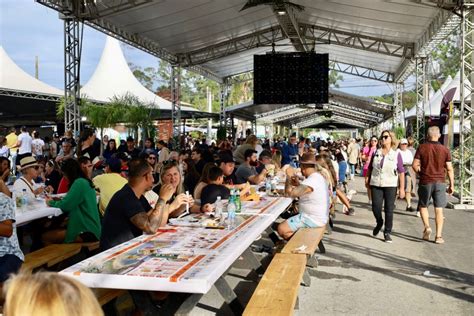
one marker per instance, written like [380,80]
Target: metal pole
[176,105]
[72,58]
[466,117]
[421,98]
[398,105]
[209,109]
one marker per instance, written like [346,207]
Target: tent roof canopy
[360,110]
[370,38]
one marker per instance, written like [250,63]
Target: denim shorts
[299,221]
[437,191]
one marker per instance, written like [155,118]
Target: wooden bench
[106,295]
[49,256]
[277,291]
[312,239]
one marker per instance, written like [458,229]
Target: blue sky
[28,29]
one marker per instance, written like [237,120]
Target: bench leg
[321,247]
[229,296]
[306,278]
[189,303]
[312,261]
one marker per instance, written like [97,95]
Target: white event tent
[113,77]
[24,100]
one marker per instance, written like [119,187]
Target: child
[216,188]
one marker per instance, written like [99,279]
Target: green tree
[447,56]
[334,76]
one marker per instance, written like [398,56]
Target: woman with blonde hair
[250,143]
[384,173]
[48,294]
[170,174]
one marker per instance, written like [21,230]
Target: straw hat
[28,162]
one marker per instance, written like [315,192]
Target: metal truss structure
[441,27]
[421,97]
[398,119]
[29,95]
[72,65]
[92,15]
[317,118]
[226,120]
[466,124]
[176,104]
[282,109]
[319,34]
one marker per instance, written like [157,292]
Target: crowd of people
[115,193]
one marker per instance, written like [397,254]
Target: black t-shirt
[90,152]
[200,165]
[190,183]
[133,153]
[116,226]
[53,180]
[230,180]
[211,191]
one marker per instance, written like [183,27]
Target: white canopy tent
[433,108]
[25,100]
[113,77]
[13,77]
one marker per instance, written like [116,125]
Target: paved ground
[363,275]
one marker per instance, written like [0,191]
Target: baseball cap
[403,141]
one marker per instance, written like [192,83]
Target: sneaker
[387,238]
[418,214]
[410,209]
[376,230]
[351,212]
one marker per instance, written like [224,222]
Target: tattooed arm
[293,187]
[152,220]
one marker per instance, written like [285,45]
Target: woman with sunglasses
[384,173]
[367,154]
[29,168]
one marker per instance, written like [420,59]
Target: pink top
[368,152]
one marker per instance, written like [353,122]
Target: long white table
[34,210]
[178,259]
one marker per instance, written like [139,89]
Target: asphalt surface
[363,275]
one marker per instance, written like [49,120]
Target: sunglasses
[154,158]
[385,136]
[373,140]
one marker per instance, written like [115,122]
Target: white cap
[403,141]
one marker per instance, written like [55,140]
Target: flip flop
[439,240]
[427,233]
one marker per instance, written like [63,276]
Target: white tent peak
[12,77]
[113,77]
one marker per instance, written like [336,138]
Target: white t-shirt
[22,184]
[407,156]
[25,146]
[38,145]
[315,205]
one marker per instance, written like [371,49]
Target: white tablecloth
[34,210]
[177,259]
